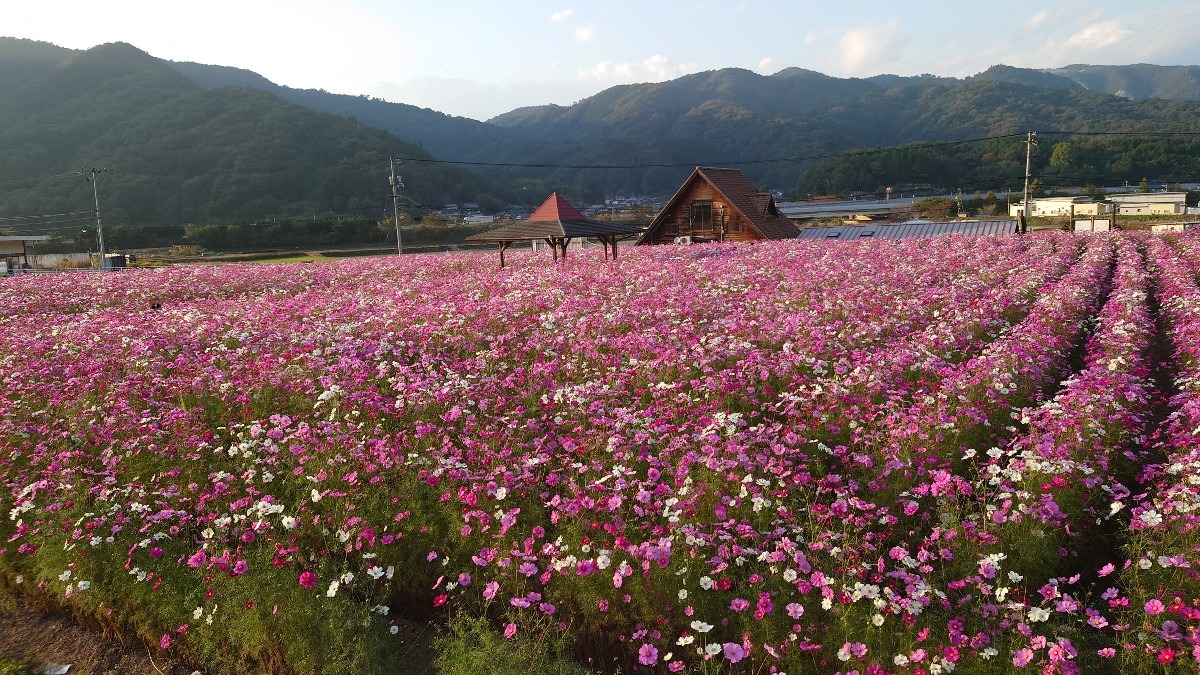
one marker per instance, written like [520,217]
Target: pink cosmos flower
[648,654]
[1022,657]
[734,652]
[489,591]
[1155,606]
[240,567]
[198,559]
[308,580]
[510,630]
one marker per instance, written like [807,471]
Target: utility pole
[396,185]
[1029,143]
[90,175]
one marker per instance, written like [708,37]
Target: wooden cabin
[718,205]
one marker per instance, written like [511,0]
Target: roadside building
[14,251]
[1046,207]
[1149,203]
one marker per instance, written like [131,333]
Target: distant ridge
[239,145]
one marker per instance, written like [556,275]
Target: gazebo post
[563,243]
[503,245]
[613,241]
[553,247]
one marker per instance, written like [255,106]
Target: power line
[47,215]
[39,179]
[667,165]
[796,159]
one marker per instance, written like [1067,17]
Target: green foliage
[188,143]
[13,667]
[471,646]
[1000,164]
[178,154]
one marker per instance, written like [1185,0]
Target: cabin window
[702,215]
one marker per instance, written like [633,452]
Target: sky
[481,59]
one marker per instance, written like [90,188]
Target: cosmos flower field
[924,456]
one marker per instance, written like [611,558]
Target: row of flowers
[778,455]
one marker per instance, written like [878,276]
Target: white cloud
[654,69]
[1099,35]
[562,15]
[585,33]
[865,51]
[766,65]
[1037,20]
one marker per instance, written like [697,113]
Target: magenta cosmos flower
[308,579]
[648,655]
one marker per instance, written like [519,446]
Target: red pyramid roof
[555,209]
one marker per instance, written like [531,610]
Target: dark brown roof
[757,207]
[553,219]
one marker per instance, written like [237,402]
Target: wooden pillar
[503,245]
[614,245]
[553,247]
[563,243]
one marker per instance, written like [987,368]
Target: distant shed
[966,228]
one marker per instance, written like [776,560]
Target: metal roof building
[846,209]
[966,228]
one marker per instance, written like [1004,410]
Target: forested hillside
[178,153]
[776,127]
[190,143]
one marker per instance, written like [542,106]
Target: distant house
[718,205]
[1060,206]
[1150,203]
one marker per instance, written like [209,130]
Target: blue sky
[479,59]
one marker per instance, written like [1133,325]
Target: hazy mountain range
[189,142]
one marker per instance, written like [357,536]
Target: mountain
[732,115]
[1140,81]
[440,134]
[179,153]
[189,142]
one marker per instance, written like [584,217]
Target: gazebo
[557,222]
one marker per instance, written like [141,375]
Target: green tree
[1144,185]
[1063,156]
[1037,188]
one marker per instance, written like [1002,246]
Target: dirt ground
[42,637]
